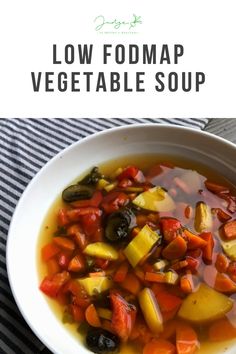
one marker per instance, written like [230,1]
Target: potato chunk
[155,199]
[206,304]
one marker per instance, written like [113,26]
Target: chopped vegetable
[194,241]
[192,180]
[101,250]
[131,283]
[65,243]
[224,284]
[206,304]
[175,249]
[92,317]
[222,330]
[151,310]
[207,251]
[170,228]
[159,346]
[203,218]
[186,339]
[49,251]
[121,272]
[52,285]
[95,285]
[77,264]
[77,192]
[141,245]
[230,248]
[155,199]
[161,264]
[229,230]
[123,316]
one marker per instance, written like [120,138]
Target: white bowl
[213,151]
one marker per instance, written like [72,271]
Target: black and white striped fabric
[25,146]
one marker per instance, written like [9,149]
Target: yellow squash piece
[205,305]
[95,285]
[155,199]
[230,248]
[203,217]
[101,250]
[141,245]
[151,310]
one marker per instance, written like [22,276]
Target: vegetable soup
[139,256]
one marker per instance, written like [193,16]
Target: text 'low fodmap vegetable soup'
[141,258]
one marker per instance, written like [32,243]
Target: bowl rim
[126,127]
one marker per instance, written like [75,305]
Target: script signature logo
[102,24]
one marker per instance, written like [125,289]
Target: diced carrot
[74,215]
[65,243]
[140,274]
[159,346]
[221,263]
[216,188]
[229,230]
[194,241]
[155,277]
[53,266]
[77,313]
[186,283]
[224,284]
[221,330]
[175,249]
[167,301]
[77,264]
[135,231]
[186,339]
[121,272]
[140,332]
[92,317]
[49,251]
[62,217]
[207,251]
[131,283]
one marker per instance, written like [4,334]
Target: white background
[206,28]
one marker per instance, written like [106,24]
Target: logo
[102,25]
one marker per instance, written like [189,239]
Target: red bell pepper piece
[123,316]
[170,228]
[133,173]
[51,285]
[92,202]
[113,201]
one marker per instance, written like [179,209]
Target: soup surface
[139,256]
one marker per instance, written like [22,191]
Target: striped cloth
[26,145]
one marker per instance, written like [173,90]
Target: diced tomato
[78,235]
[221,263]
[53,266]
[170,228]
[49,251]
[113,201]
[79,295]
[102,263]
[64,260]
[63,217]
[123,316]
[51,285]
[77,313]
[74,215]
[193,263]
[91,223]
[125,182]
[168,302]
[132,173]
